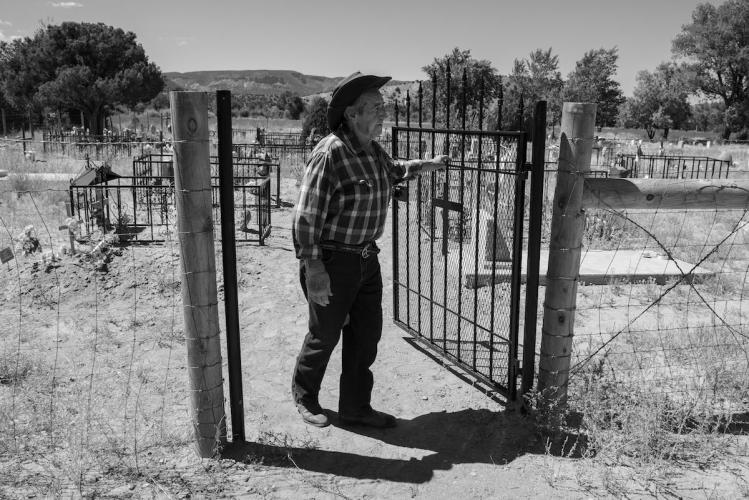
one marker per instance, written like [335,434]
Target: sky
[386,37]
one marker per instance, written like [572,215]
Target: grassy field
[94,395]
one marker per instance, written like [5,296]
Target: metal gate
[458,250]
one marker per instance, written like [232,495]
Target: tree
[91,67]
[659,100]
[292,105]
[708,116]
[316,119]
[592,80]
[716,47]
[482,82]
[535,78]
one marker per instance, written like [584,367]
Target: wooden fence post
[567,226]
[198,262]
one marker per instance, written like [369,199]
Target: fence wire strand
[676,334]
[64,389]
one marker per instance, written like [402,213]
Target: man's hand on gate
[318,282]
[440,161]
[416,167]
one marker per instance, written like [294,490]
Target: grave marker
[6,255]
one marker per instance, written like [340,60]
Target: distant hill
[265,82]
[256,81]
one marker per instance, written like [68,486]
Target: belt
[365,249]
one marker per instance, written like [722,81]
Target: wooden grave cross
[446,205]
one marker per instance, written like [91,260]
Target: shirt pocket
[358,193]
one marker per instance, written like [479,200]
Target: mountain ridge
[260,81]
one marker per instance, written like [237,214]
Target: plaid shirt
[345,194]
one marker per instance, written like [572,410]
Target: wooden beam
[192,196]
[567,225]
[682,194]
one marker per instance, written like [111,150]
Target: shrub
[14,367]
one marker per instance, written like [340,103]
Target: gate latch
[400,193]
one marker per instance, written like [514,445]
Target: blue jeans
[356,284]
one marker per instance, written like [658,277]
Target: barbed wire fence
[661,346]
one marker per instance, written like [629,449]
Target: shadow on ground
[442,439]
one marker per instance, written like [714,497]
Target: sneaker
[372,418]
[313,416]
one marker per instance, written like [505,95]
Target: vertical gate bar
[396,248]
[535,219]
[521,112]
[408,215]
[517,258]
[492,312]
[477,225]
[446,194]
[461,183]
[476,221]
[500,103]
[420,97]
[432,193]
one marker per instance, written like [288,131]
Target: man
[341,211]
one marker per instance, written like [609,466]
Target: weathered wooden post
[567,225]
[192,181]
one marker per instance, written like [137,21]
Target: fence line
[661,328]
[88,382]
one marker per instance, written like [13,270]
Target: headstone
[474,153]
[6,254]
[726,156]
[492,246]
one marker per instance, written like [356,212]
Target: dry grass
[97,409]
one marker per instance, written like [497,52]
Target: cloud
[66,5]
[5,23]
[179,41]
[8,38]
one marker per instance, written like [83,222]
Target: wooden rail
[621,194]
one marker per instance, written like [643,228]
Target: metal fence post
[567,225]
[198,264]
[535,217]
[229,255]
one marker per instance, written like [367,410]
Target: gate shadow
[440,439]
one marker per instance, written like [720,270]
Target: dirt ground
[119,425]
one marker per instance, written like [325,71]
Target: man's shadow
[441,438]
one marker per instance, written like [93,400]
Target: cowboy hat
[347,91]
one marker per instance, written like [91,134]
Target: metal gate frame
[507,387]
